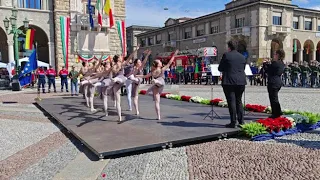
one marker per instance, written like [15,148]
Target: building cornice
[308,10]
[216,14]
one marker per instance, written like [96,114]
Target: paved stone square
[34,147]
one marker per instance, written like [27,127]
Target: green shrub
[253,129]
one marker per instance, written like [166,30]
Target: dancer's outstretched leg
[135,103]
[105,100]
[91,92]
[85,90]
[84,82]
[129,91]
[117,101]
[157,101]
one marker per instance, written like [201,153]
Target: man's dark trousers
[233,95]
[274,100]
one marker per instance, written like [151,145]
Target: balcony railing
[82,20]
[245,31]
[274,29]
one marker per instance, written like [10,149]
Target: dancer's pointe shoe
[120,121]
[107,114]
[159,118]
[137,113]
[93,110]
[88,105]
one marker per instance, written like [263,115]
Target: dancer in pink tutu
[104,82]
[88,88]
[137,71]
[158,82]
[118,80]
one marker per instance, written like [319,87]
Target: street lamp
[15,32]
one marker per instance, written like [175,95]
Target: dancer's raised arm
[131,56]
[171,60]
[144,62]
[99,61]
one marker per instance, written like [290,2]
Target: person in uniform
[51,74]
[64,78]
[305,70]
[286,75]
[295,70]
[41,74]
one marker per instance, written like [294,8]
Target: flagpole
[38,98]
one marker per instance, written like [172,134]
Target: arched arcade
[40,43]
[3,46]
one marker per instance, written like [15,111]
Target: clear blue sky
[151,13]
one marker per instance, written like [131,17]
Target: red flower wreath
[185,98]
[215,101]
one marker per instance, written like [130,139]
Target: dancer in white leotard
[136,71]
[117,81]
[105,82]
[158,81]
[89,89]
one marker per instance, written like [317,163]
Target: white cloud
[151,14]
[316,7]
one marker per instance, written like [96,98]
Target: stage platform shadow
[182,122]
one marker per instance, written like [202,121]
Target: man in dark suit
[232,66]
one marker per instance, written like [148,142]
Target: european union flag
[90,14]
[25,75]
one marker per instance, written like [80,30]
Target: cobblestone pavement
[33,147]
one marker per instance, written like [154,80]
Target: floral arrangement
[277,124]
[255,108]
[216,101]
[262,129]
[185,98]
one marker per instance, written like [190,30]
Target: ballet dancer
[117,81]
[158,82]
[127,72]
[88,88]
[136,71]
[104,82]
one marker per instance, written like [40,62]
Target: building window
[158,39]
[169,37]
[240,22]
[187,33]
[214,29]
[307,24]
[32,4]
[143,42]
[200,30]
[150,41]
[295,23]
[93,8]
[277,18]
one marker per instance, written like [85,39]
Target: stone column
[51,54]
[301,22]
[10,49]
[314,55]
[314,24]
[44,5]
[194,31]
[300,55]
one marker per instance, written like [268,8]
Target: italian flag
[98,7]
[65,30]
[122,36]
[107,9]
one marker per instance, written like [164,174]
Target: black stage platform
[181,122]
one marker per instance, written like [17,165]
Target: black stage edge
[182,122]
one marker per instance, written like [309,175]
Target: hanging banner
[88,58]
[65,30]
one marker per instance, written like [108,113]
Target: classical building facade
[44,16]
[260,27]
[131,33]
[84,40]
[40,13]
